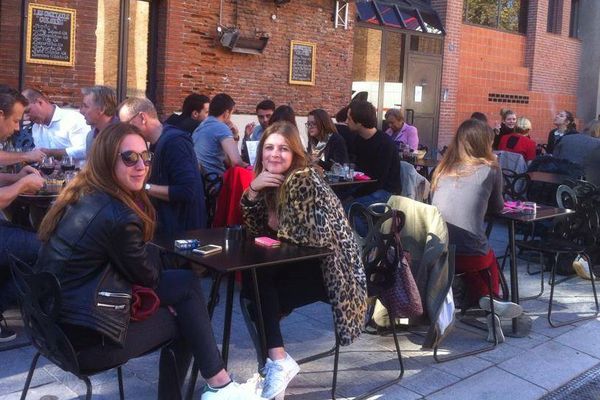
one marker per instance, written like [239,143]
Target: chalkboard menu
[51,35]
[302,63]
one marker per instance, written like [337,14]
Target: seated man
[376,156]
[13,239]
[175,185]
[519,142]
[402,133]
[56,131]
[214,141]
[23,142]
[99,108]
[253,132]
[193,111]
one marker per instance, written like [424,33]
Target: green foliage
[503,14]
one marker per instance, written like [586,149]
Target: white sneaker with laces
[503,309]
[233,391]
[278,375]
[493,318]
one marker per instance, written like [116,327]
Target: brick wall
[492,61]
[195,61]
[62,84]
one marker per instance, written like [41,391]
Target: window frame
[522,16]
[574,19]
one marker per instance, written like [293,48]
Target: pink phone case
[267,241]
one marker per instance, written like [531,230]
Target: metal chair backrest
[516,186]
[40,299]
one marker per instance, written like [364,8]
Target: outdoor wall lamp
[230,38]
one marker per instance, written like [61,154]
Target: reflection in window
[394,70]
[574,19]
[510,15]
[366,63]
[137,57]
[107,43]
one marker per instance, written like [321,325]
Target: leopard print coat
[310,214]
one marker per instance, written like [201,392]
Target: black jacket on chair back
[97,252]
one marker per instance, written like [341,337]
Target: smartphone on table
[208,249]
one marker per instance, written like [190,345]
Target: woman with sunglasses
[325,144]
[94,241]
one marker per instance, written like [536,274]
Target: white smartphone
[208,249]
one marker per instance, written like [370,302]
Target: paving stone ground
[521,368]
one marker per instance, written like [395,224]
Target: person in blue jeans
[94,240]
[13,239]
[376,156]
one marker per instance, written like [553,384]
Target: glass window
[366,64]
[510,15]
[555,14]
[107,43]
[574,20]
[394,70]
[137,57]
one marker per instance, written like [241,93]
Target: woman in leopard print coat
[289,199]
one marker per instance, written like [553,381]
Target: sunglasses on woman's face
[131,158]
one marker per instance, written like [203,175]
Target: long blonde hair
[470,147]
[99,175]
[300,159]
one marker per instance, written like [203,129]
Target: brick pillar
[450,12]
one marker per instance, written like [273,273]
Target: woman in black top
[565,125]
[507,126]
[325,145]
[94,241]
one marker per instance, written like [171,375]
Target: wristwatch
[147,186]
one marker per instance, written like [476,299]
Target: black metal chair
[40,301]
[212,186]
[569,236]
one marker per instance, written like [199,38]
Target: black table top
[238,255]
[334,185]
[542,212]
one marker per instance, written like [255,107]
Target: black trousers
[189,330]
[283,289]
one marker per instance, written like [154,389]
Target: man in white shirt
[57,132]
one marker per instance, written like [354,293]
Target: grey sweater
[463,202]
[576,148]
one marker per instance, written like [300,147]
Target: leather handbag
[144,303]
[401,298]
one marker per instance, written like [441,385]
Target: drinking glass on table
[47,166]
[67,164]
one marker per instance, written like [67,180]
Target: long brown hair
[300,159]
[99,175]
[324,125]
[470,147]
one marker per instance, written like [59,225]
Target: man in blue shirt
[175,184]
[214,144]
[253,132]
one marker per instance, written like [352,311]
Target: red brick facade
[543,66]
[189,58]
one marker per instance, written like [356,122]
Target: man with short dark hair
[99,108]
[376,155]
[214,142]
[14,239]
[58,132]
[175,185]
[193,111]
[253,132]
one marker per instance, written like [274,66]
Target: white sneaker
[499,333]
[233,391]
[504,309]
[278,375]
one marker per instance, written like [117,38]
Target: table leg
[228,314]
[260,325]
[213,298]
[522,324]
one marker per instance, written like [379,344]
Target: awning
[414,15]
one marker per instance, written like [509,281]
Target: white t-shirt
[67,130]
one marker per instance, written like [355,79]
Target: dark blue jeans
[22,243]
[378,196]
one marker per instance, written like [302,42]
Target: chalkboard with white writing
[302,63]
[50,35]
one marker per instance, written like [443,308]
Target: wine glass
[47,166]
[67,164]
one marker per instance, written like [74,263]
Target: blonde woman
[466,185]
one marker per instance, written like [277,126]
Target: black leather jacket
[97,252]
